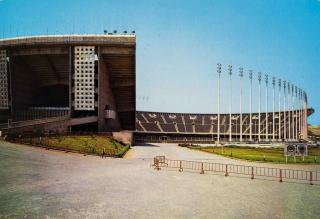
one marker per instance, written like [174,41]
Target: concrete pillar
[105,98]
[289,117]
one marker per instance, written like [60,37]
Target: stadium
[70,83]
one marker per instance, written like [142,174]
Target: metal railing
[253,171]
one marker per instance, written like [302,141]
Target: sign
[296,149]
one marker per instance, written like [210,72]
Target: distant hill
[314,130]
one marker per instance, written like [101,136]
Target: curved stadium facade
[55,84]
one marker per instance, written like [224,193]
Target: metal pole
[230,102]
[296,113]
[259,106]
[267,81]
[289,117]
[292,114]
[284,111]
[250,77]
[300,114]
[279,109]
[241,75]
[273,119]
[218,74]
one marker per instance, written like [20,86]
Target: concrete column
[241,76]
[105,98]
[230,102]
[300,111]
[296,113]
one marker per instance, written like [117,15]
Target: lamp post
[300,112]
[259,107]
[296,113]
[241,76]
[218,75]
[292,113]
[273,119]
[279,109]
[284,111]
[267,81]
[289,117]
[250,77]
[230,101]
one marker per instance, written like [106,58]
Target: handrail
[227,169]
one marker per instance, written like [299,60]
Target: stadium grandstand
[62,83]
[203,128]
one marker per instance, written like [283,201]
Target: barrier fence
[253,171]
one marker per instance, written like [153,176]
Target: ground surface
[40,183]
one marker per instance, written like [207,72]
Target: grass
[314,130]
[87,144]
[260,154]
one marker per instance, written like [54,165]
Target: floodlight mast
[241,76]
[296,112]
[230,102]
[292,113]
[273,106]
[259,107]
[267,81]
[218,75]
[284,111]
[250,77]
[279,109]
[289,117]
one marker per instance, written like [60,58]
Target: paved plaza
[43,183]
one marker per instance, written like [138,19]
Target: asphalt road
[50,184]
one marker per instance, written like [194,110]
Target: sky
[180,42]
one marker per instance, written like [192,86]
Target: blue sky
[179,43]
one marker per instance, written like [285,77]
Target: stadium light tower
[267,81]
[273,119]
[292,113]
[250,77]
[230,101]
[279,109]
[218,75]
[259,107]
[296,112]
[289,117]
[300,113]
[284,111]
[241,76]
